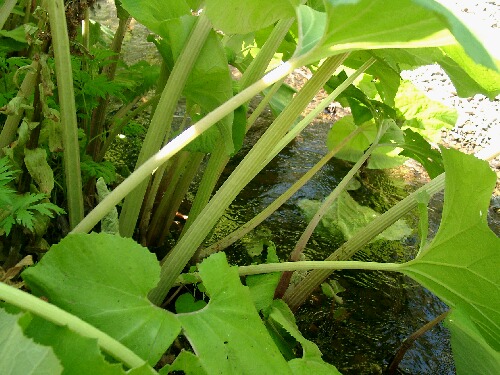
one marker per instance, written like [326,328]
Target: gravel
[478,125]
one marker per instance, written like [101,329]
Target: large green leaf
[462,29]
[368,24]
[311,362]
[242,16]
[151,13]
[461,263]
[77,353]
[19,354]
[471,352]
[468,77]
[228,335]
[104,279]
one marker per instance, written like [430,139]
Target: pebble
[478,124]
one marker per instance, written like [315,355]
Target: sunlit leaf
[368,24]
[228,335]
[151,13]
[21,355]
[462,29]
[104,279]
[460,265]
[422,114]
[241,17]
[471,352]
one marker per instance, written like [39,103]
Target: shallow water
[379,310]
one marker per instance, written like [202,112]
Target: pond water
[379,310]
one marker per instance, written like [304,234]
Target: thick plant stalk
[277,203]
[6,10]
[60,317]
[281,144]
[298,294]
[219,159]
[66,95]
[162,119]
[248,169]
[179,142]
[9,130]
[306,235]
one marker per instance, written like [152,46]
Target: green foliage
[459,265]
[349,217]
[20,209]
[81,275]
[111,277]
[91,169]
[30,356]
[106,280]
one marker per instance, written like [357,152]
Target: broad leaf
[151,13]
[468,77]
[417,148]
[311,362]
[471,352]
[77,353]
[368,24]
[462,30]
[461,263]
[349,217]
[241,17]
[104,279]
[19,354]
[228,335]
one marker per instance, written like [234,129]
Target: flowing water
[379,310]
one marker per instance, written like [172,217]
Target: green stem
[282,143]
[215,166]
[162,119]
[259,65]
[219,159]
[179,142]
[246,170]
[325,206]
[266,268]
[296,296]
[264,214]
[9,130]
[301,243]
[60,317]
[60,43]
[6,10]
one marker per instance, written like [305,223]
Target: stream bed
[378,310]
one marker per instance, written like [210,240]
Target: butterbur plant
[101,302]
